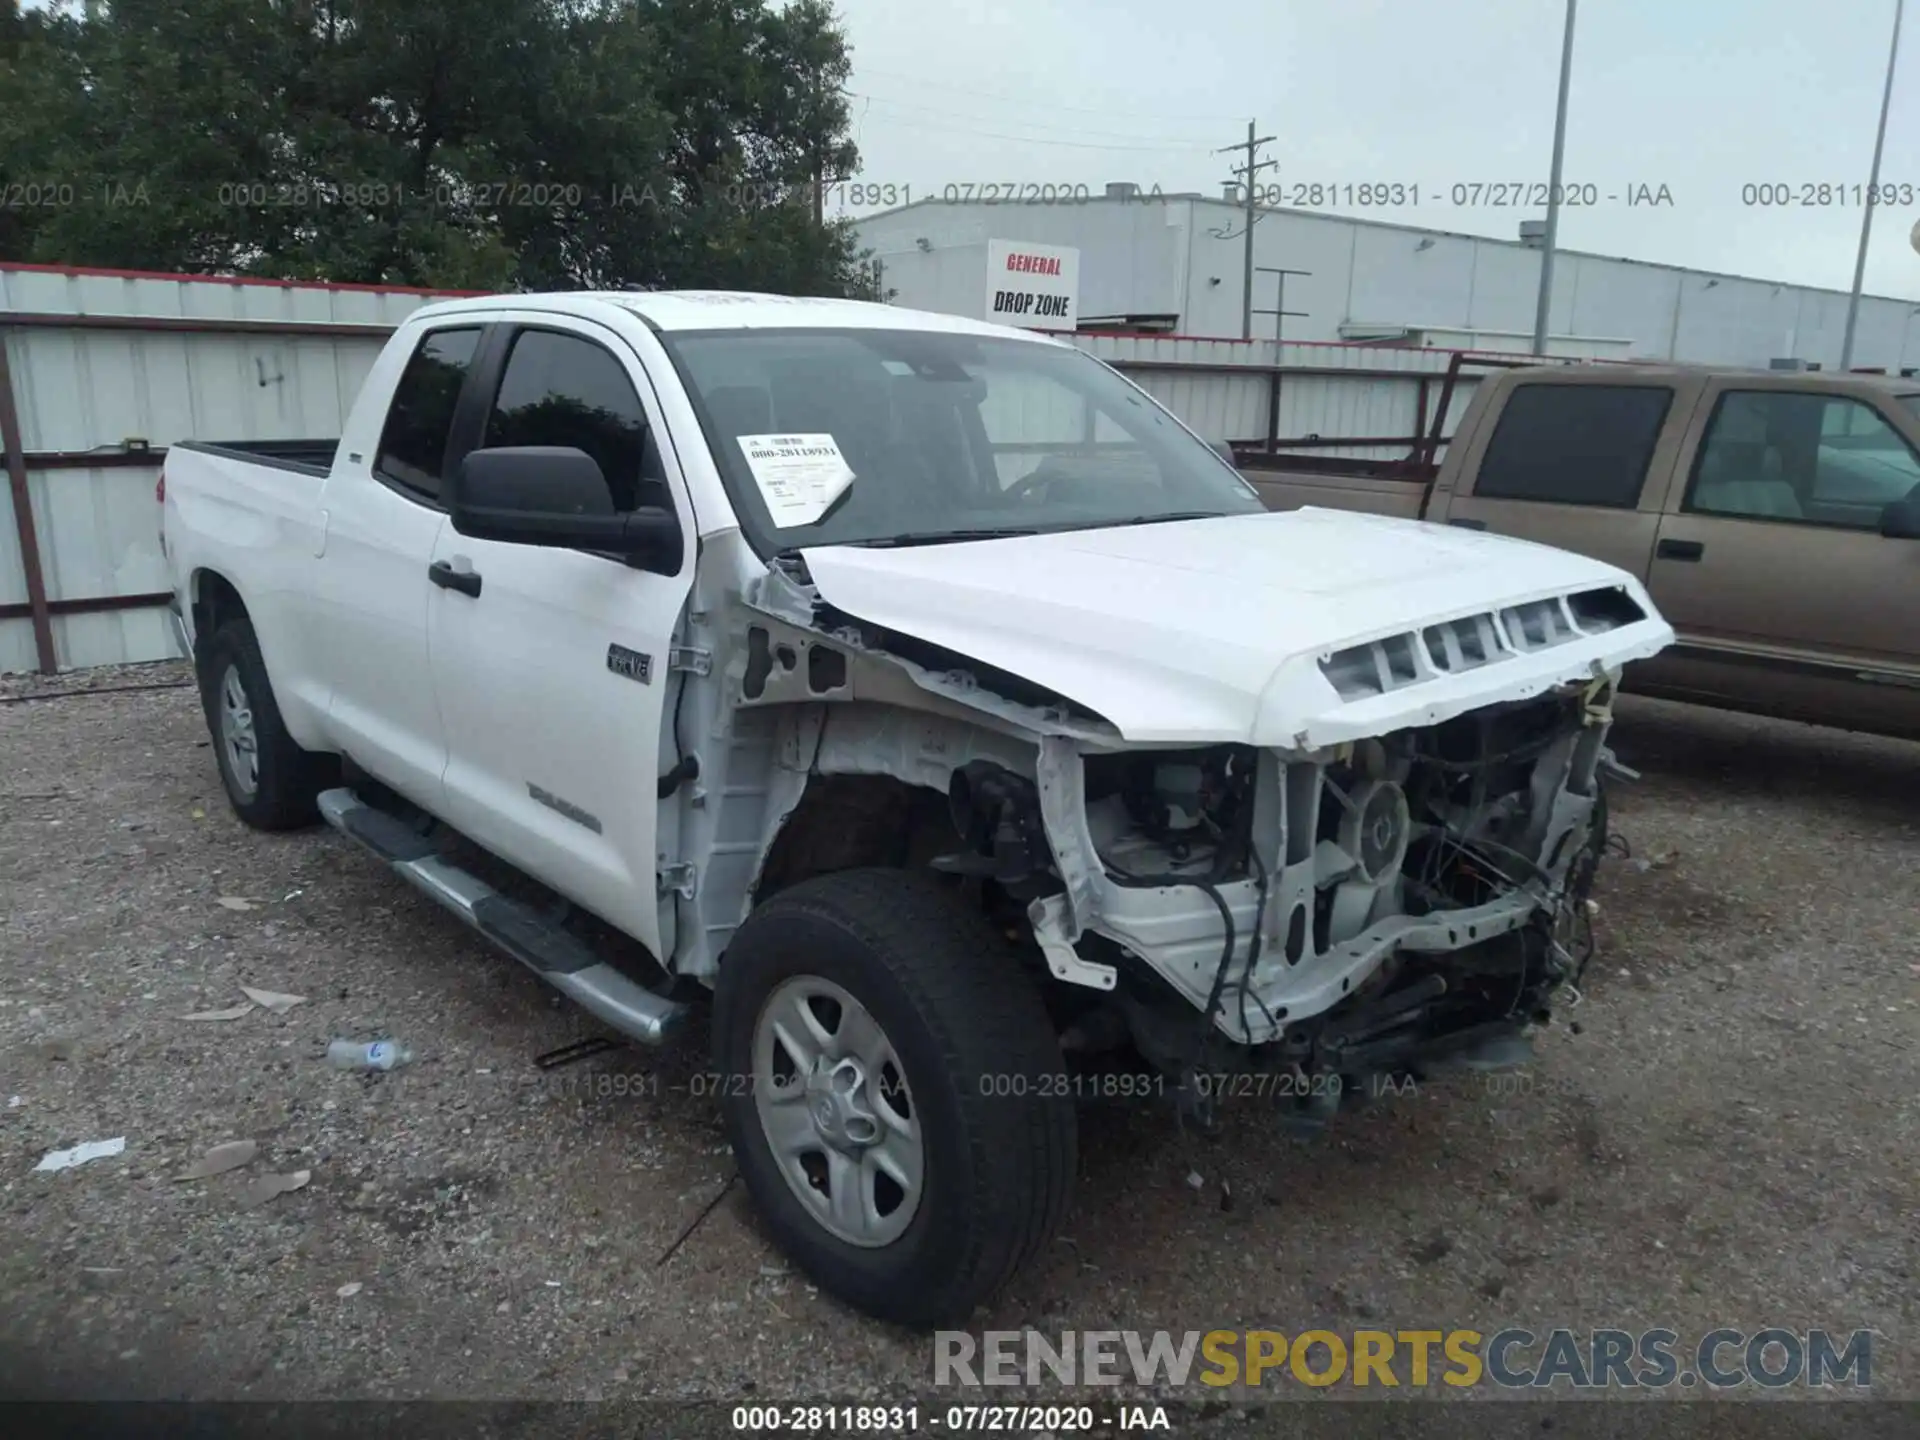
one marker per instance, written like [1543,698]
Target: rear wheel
[888,1083]
[271,782]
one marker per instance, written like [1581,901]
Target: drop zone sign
[1033,286]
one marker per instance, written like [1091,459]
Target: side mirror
[1901,519]
[555,495]
[1224,449]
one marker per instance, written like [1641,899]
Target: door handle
[1679,550]
[1467,524]
[467,582]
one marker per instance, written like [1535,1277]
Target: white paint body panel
[526,698]
[1212,630]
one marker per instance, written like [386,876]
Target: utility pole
[1248,173]
[819,160]
[1553,192]
[1873,184]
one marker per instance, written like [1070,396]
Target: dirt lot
[1729,1140]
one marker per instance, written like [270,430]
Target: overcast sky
[1704,97]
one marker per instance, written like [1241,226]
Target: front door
[551,665]
[1772,568]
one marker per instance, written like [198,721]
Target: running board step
[535,941]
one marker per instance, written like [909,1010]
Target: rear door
[382,503]
[551,665]
[1566,462]
[1772,567]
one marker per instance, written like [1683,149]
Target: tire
[976,1052]
[285,779]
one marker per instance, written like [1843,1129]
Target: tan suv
[1774,517]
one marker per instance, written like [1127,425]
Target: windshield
[830,437]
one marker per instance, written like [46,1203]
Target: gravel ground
[1728,1140]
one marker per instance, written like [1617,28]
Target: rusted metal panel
[26,545]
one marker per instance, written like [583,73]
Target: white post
[1873,184]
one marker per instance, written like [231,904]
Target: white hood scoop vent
[1454,647]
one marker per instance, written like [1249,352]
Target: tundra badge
[630,663]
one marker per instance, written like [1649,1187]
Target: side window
[564,390]
[1794,455]
[1574,444]
[413,443]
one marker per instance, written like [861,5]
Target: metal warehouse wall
[1167,255]
[1131,255]
[106,370]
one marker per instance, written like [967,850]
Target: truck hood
[1209,631]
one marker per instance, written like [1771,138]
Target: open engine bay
[1387,905]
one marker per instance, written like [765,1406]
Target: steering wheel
[1033,483]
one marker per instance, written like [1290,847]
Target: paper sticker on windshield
[799,475]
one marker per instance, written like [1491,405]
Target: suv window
[413,444]
[561,389]
[1574,444]
[1794,455]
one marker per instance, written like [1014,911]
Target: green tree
[493,144]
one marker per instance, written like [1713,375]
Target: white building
[1175,263]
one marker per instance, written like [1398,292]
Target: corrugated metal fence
[101,370]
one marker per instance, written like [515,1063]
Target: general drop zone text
[1025,302]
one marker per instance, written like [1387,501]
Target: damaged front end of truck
[1387,876]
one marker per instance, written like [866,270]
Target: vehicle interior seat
[854,404]
[1744,479]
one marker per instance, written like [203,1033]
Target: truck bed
[1375,487]
[305,457]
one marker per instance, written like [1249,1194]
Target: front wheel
[891,1089]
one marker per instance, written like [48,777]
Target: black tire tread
[291,778]
[988,1019]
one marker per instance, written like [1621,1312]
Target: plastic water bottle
[379,1055]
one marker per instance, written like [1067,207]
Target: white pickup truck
[935,698]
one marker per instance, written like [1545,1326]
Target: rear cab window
[1574,444]
[413,442]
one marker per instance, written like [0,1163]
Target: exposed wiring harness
[1245,983]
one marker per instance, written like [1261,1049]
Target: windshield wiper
[1158,519]
[941,537]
